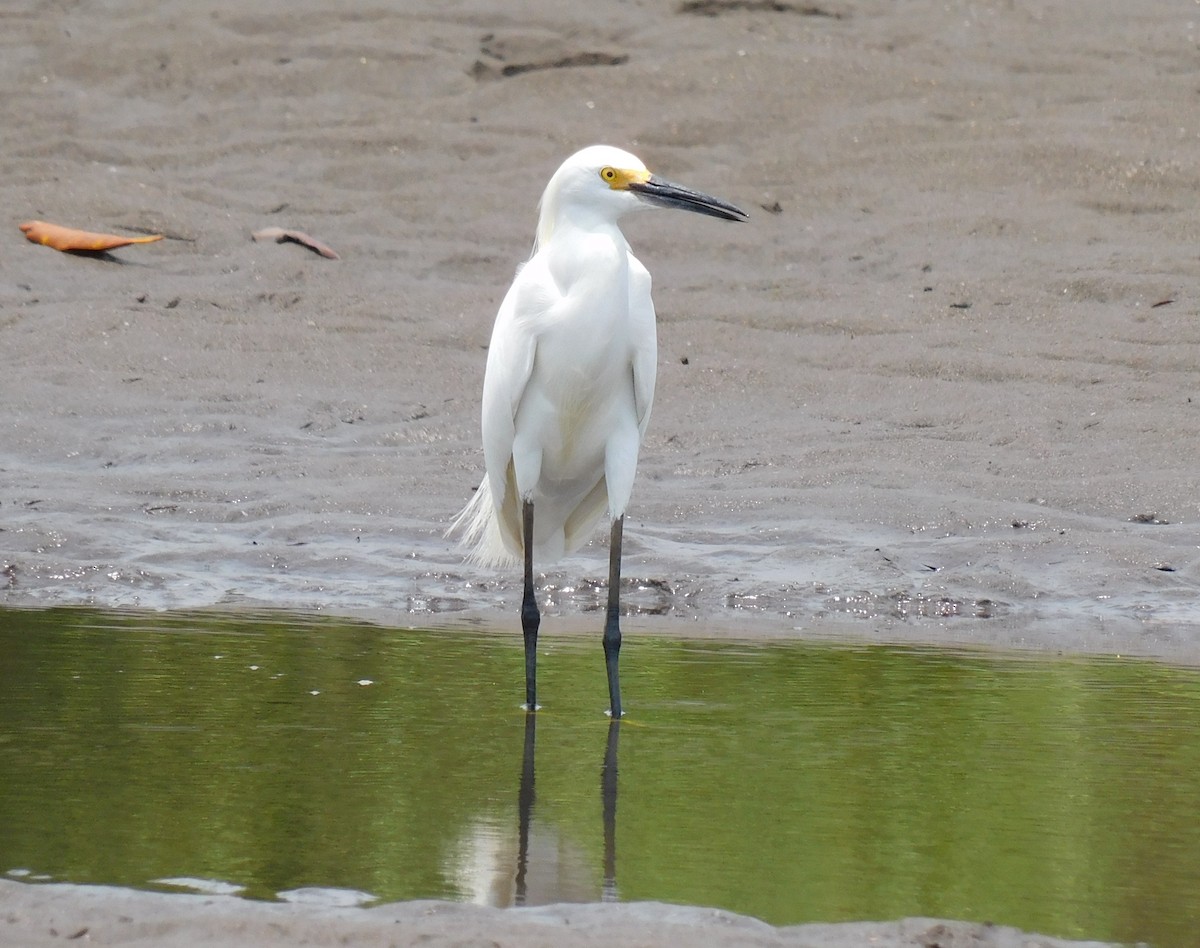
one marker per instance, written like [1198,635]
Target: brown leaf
[279,235]
[68,238]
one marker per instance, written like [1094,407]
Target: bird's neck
[579,224]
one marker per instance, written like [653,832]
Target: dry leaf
[279,235]
[68,238]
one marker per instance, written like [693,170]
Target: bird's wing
[509,366]
[644,332]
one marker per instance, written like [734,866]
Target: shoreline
[45,914]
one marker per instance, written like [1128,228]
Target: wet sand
[941,388]
[45,915]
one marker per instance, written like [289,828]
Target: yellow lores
[569,383]
[619,179]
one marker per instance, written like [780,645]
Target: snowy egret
[569,384]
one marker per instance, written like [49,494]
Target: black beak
[666,194]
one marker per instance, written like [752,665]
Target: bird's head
[605,182]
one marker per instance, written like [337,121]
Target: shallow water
[312,758]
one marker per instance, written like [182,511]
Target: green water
[795,782]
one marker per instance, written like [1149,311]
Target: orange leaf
[68,238]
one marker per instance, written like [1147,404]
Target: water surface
[795,782]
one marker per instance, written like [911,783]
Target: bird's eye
[609,174]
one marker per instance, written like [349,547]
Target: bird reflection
[526,796]
[544,866]
[608,810]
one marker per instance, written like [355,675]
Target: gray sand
[51,915]
[934,386]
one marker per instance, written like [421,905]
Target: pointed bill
[664,193]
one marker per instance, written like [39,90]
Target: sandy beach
[940,388]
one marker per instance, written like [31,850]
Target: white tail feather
[480,531]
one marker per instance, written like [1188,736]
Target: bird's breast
[580,392]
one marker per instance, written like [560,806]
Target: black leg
[612,623]
[530,617]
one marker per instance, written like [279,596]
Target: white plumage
[570,373]
[570,378]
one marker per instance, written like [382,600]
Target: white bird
[569,384]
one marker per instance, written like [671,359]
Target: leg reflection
[608,809]
[525,796]
[549,868]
